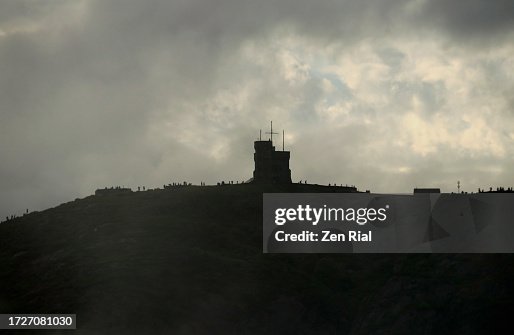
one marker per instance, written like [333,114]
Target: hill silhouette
[188,260]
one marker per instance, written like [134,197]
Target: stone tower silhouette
[271,166]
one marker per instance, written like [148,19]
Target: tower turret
[271,166]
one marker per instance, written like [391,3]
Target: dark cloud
[96,93]
[480,19]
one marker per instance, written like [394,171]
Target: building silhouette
[271,166]
[427,190]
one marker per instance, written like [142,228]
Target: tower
[271,166]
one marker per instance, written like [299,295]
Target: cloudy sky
[386,95]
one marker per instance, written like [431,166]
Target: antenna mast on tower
[271,132]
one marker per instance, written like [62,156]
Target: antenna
[458,186]
[260,134]
[271,132]
[283,132]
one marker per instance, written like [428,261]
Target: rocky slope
[189,260]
